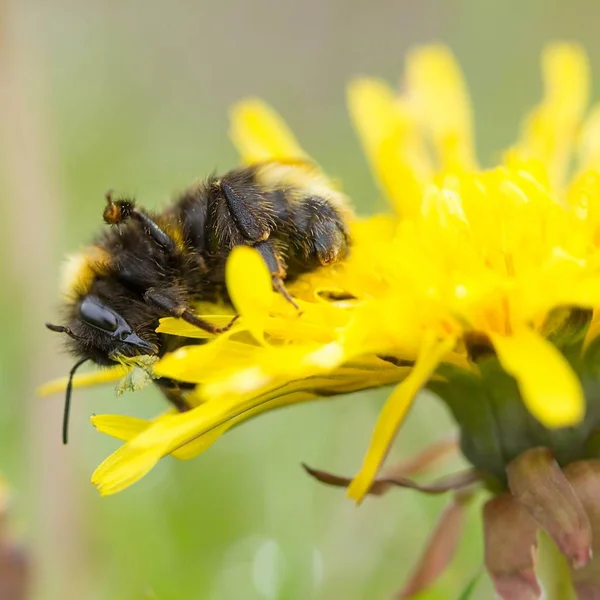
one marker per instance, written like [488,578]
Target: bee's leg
[253,216]
[174,391]
[249,212]
[174,308]
[155,232]
[316,231]
[274,261]
[319,232]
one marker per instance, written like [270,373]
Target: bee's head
[101,334]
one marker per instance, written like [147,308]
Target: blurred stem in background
[32,219]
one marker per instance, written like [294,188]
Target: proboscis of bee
[152,265]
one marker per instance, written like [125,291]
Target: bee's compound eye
[92,312]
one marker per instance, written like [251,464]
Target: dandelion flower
[480,284]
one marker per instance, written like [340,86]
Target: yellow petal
[373,108]
[194,448]
[250,287]
[566,72]
[389,135]
[585,294]
[550,388]
[85,379]
[120,427]
[126,428]
[589,150]
[123,467]
[186,435]
[174,326]
[216,360]
[549,130]
[438,91]
[197,446]
[248,281]
[260,134]
[432,352]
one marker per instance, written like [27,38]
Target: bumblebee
[152,265]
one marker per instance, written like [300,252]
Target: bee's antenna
[63,329]
[67,410]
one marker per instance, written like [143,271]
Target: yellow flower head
[472,267]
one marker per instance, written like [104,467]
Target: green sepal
[495,425]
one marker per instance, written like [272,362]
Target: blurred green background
[133,96]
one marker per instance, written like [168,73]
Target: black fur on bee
[152,265]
